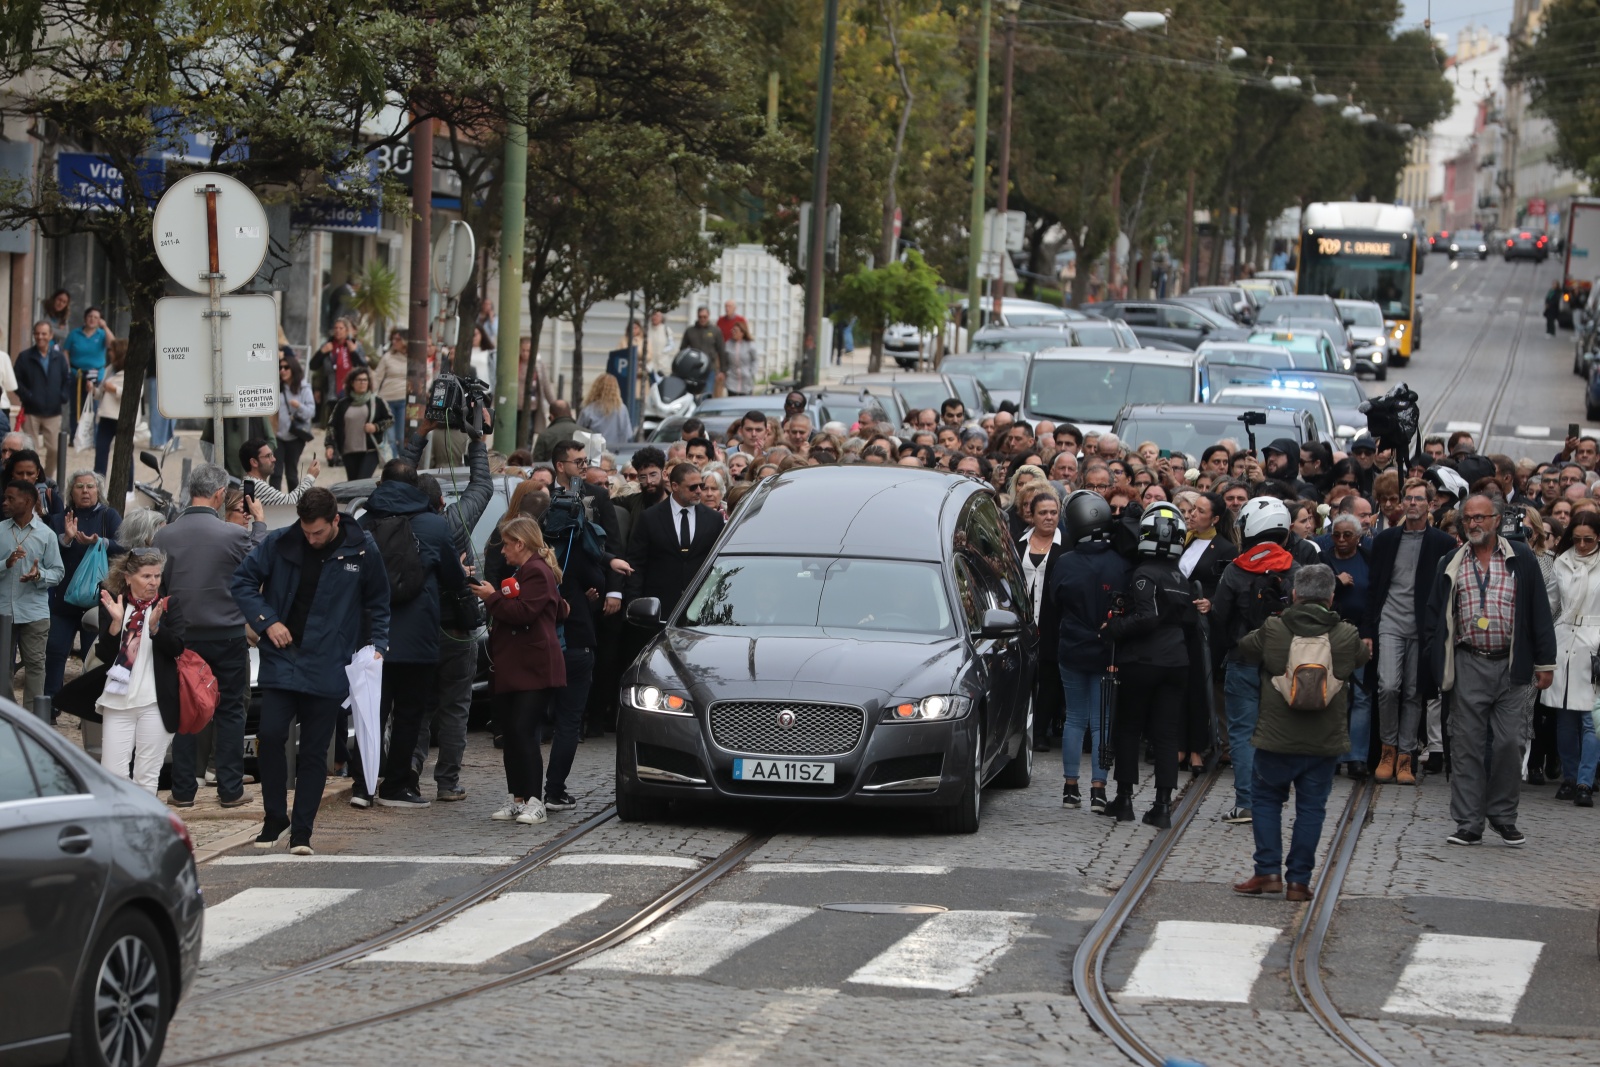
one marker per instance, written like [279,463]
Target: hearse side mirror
[645,611]
[1000,622]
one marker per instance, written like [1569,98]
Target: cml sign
[90,183]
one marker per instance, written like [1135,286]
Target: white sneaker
[532,813]
[509,812]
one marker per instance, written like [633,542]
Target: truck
[1580,262]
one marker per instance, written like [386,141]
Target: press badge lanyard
[1482,578]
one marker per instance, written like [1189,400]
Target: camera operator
[460,616]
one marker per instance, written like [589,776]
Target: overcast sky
[1450,16]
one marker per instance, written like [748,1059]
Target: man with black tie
[671,540]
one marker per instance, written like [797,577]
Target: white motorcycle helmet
[1264,518]
[1446,483]
[1161,531]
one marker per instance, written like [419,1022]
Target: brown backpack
[1308,682]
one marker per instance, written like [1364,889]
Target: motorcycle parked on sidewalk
[677,394]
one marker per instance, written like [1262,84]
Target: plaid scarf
[121,672]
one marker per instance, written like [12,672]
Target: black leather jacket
[1160,606]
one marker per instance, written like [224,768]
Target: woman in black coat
[134,691]
[1210,548]
[1039,546]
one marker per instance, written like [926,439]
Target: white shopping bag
[365,671]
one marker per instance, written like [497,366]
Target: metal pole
[980,146]
[815,273]
[421,255]
[1005,157]
[508,342]
[41,708]
[1188,239]
[214,288]
[63,442]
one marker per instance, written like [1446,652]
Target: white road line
[254,913]
[1201,961]
[1534,433]
[492,928]
[697,941]
[607,859]
[279,857]
[762,1033]
[1470,427]
[1465,977]
[949,952]
[846,868]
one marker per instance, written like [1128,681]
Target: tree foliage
[906,290]
[1561,69]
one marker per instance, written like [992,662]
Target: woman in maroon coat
[525,657]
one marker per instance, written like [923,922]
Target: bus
[1353,251]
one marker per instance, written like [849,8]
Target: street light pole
[980,139]
[1012,7]
[810,366]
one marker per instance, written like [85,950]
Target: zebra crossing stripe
[1461,977]
[491,929]
[698,940]
[254,913]
[760,1035]
[949,952]
[1201,961]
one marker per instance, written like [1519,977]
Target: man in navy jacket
[316,592]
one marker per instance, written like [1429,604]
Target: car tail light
[180,828]
[1509,242]
[1524,236]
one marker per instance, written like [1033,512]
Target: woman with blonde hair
[604,411]
[526,663]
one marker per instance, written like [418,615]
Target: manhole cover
[879,908]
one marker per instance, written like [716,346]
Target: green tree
[904,291]
[1561,69]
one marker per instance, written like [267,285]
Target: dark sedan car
[1527,244]
[100,907]
[1168,320]
[860,635]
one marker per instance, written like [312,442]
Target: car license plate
[779,770]
[250,747]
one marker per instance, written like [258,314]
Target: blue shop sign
[91,183]
[344,216]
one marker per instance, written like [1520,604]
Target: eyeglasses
[1388,498]
[1586,540]
[1470,519]
[1344,533]
[824,452]
[1416,500]
[1352,483]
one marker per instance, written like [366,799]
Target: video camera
[1393,419]
[458,403]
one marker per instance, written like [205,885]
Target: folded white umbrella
[365,671]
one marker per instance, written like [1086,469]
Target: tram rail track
[1463,370]
[636,923]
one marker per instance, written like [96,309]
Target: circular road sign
[454,252]
[179,231]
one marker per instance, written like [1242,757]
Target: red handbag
[197,693]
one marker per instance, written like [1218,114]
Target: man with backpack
[1306,658]
[1352,573]
[1255,586]
[421,560]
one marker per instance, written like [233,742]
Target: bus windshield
[1373,267]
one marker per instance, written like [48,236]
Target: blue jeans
[229,660]
[1082,692]
[1312,778]
[397,428]
[1241,692]
[318,717]
[65,620]
[1576,744]
[566,713]
[1360,719]
[160,425]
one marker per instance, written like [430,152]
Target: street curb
[335,790]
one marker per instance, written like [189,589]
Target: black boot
[1160,813]
[1121,807]
[1355,770]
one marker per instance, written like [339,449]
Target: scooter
[677,394]
[161,499]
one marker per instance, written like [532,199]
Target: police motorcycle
[677,394]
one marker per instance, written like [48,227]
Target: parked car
[1313,349]
[1085,332]
[842,403]
[1192,428]
[1286,280]
[1241,303]
[859,636]
[1001,372]
[1168,320]
[1088,386]
[101,902]
[1290,394]
[1344,395]
[929,389]
[1526,244]
[906,343]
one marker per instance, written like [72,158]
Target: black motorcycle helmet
[1087,517]
[694,367]
[1161,531]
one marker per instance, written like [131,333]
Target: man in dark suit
[671,540]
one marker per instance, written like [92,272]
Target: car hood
[1366,334]
[801,664]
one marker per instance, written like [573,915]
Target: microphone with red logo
[510,587]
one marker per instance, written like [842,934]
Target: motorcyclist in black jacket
[1152,658]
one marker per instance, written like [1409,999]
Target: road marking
[949,952]
[1469,427]
[1201,961]
[1465,977]
[607,859]
[254,913]
[279,857]
[760,1035]
[1534,433]
[492,928]
[697,941]
[846,868]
